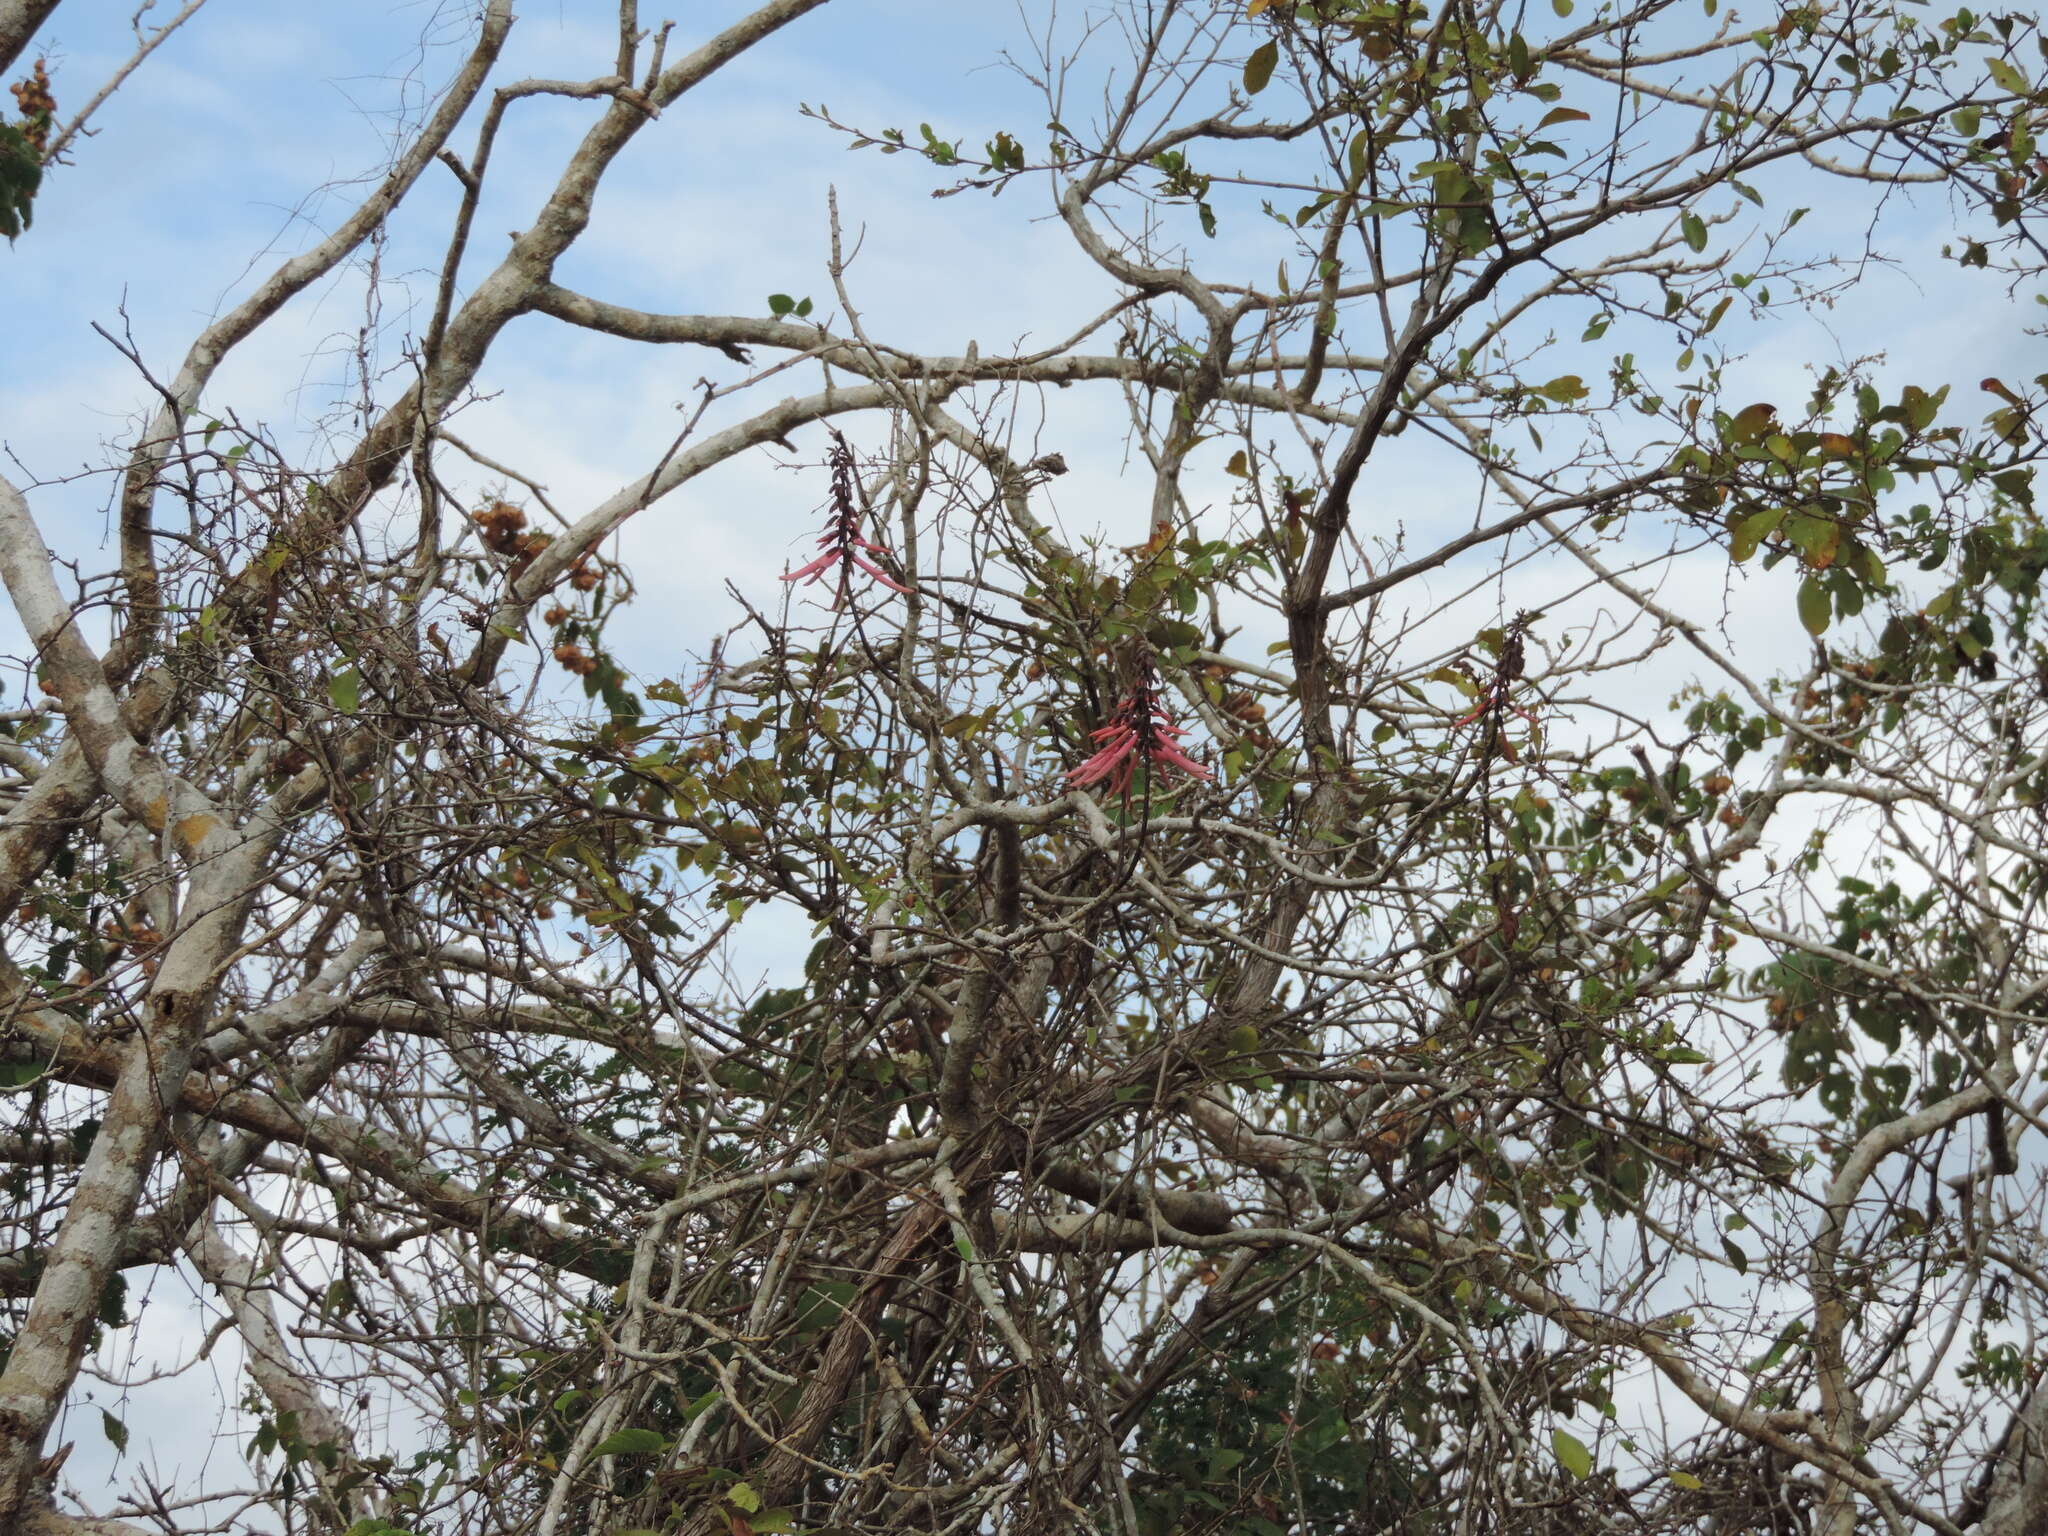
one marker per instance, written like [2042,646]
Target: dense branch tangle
[1419,1124]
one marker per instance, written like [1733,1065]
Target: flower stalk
[843,542]
[1140,731]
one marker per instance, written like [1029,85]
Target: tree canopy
[1389,881]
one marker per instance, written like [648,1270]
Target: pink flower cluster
[1139,731]
[842,540]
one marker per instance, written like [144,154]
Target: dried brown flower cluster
[37,106]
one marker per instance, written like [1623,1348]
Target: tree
[1288,1032]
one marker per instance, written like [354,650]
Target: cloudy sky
[259,125]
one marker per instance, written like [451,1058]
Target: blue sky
[259,124]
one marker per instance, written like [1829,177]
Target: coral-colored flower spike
[842,540]
[1139,731]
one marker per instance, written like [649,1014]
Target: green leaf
[1457,680]
[1735,1255]
[1816,538]
[1258,69]
[337,1296]
[1563,115]
[1686,1481]
[1562,7]
[1814,610]
[1221,1461]
[345,688]
[2008,77]
[1668,886]
[742,1497]
[1695,231]
[21,172]
[1571,1453]
[780,304]
[116,1432]
[19,1074]
[630,1442]
[1752,531]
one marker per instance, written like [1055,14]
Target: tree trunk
[2019,1487]
[19,20]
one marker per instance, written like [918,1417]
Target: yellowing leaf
[1258,69]
[2008,77]
[1821,552]
[1686,1481]
[1752,421]
[1564,115]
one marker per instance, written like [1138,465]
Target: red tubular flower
[842,540]
[1139,731]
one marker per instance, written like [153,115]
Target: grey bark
[19,20]
[2018,1505]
